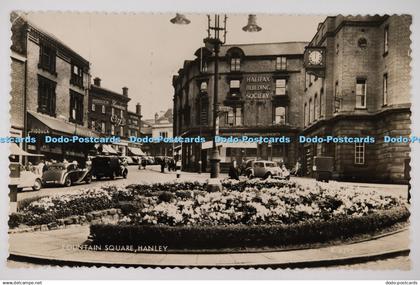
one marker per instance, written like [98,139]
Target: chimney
[156,117]
[138,109]
[125,91]
[97,81]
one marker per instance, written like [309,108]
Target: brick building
[109,116]
[260,94]
[49,91]
[365,92]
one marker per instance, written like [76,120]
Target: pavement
[60,247]
[153,174]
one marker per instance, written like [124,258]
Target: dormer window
[235,64]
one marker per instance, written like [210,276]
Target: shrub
[206,237]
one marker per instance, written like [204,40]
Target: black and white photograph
[195,140]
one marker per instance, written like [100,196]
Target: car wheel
[88,179]
[268,175]
[125,174]
[67,182]
[112,175]
[98,177]
[37,185]
[250,175]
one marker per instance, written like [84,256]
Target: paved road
[152,174]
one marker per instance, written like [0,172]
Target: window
[361,93]
[234,116]
[112,129]
[337,48]
[103,109]
[280,115]
[281,63]
[46,96]
[112,111]
[204,67]
[305,115]
[386,40]
[47,57]
[359,153]
[93,107]
[163,134]
[309,111]
[203,86]
[385,89]
[235,64]
[76,107]
[337,102]
[281,85]
[316,106]
[362,43]
[76,76]
[103,127]
[235,87]
[121,131]
[321,95]
[121,113]
[92,124]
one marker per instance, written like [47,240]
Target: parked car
[323,168]
[65,174]
[29,179]
[108,166]
[266,169]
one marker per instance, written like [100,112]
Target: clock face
[315,57]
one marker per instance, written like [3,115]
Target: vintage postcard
[201,141]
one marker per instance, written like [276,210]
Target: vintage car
[65,174]
[29,179]
[265,169]
[108,166]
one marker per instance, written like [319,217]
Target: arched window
[279,115]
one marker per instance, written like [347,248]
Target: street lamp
[216,37]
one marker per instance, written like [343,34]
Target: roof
[100,89]
[259,49]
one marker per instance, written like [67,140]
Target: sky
[143,51]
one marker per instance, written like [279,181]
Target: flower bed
[240,236]
[245,213]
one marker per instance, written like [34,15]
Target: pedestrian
[178,166]
[40,168]
[143,162]
[162,165]
[233,171]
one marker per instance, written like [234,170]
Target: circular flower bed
[245,214]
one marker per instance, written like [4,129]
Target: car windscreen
[270,164]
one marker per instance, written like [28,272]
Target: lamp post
[216,37]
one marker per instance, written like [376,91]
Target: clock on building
[314,60]
[315,57]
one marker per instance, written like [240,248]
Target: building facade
[365,91]
[109,116]
[259,93]
[50,85]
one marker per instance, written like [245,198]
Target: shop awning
[136,151]
[16,150]
[209,144]
[109,149]
[51,125]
